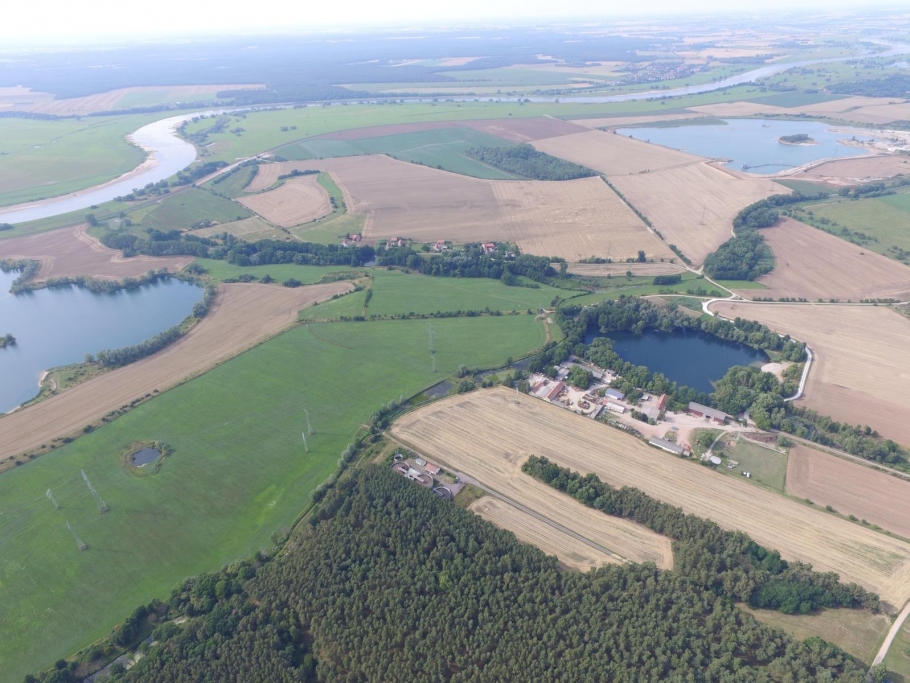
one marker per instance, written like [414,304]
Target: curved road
[895,628]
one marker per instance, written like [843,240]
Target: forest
[526,162]
[471,261]
[390,583]
[896,85]
[727,563]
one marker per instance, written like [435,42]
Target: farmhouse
[668,446]
[699,410]
[488,247]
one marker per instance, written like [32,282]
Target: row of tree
[728,563]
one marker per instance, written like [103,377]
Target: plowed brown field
[491,433]
[242,316]
[850,488]
[811,264]
[862,366]
[299,200]
[72,251]
[552,541]
[693,206]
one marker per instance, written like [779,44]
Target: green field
[767,467]
[898,660]
[615,287]
[395,292]
[150,98]
[886,220]
[233,185]
[349,305]
[441,148]
[183,210]
[308,275]
[41,158]
[237,474]
[741,284]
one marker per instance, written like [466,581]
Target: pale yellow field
[613,154]
[299,200]
[856,170]
[552,541]
[573,219]
[875,110]
[267,175]
[693,206]
[492,432]
[621,121]
[862,366]
[249,229]
[617,269]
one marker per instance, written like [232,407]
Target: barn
[698,410]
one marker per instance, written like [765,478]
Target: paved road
[895,627]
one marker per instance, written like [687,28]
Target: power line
[102,506]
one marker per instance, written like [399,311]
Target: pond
[689,357]
[752,145]
[145,456]
[59,326]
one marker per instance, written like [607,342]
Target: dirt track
[72,251]
[242,316]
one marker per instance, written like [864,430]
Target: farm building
[668,446]
[699,410]
[488,247]
[651,412]
[663,402]
[614,394]
[430,468]
[615,408]
[554,391]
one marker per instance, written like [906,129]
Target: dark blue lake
[691,357]
[59,326]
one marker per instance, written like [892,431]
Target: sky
[68,21]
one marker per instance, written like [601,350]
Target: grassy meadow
[237,474]
[308,275]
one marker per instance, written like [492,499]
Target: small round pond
[692,358]
[145,456]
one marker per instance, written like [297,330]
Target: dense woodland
[471,261]
[526,162]
[746,256]
[896,85]
[728,563]
[391,583]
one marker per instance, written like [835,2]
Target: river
[59,326]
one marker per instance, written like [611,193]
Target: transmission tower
[305,447]
[432,339]
[433,360]
[102,506]
[309,427]
[79,543]
[50,497]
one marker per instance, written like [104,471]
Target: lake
[690,357]
[754,142]
[59,326]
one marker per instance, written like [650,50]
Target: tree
[579,377]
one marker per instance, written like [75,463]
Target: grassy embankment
[238,472]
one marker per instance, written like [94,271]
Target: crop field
[766,466]
[813,264]
[234,183]
[886,219]
[613,154]
[898,659]
[50,158]
[72,251]
[242,316]
[441,147]
[489,434]
[183,210]
[570,551]
[298,200]
[237,474]
[616,121]
[349,305]
[250,229]
[511,129]
[395,292]
[620,269]
[573,219]
[850,488]
[308,275]
[693,206]
[860,369]
[858,169]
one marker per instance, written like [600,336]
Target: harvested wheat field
[617,269]
[850,488]
[573,219]
[490,433]
[724,109]
[693,206]
[570,551]
[72,251]
[811,264]
[862,363]
[299,200]
[622,121]
[249,229]
[267,175]
[613,154]
[242,316]
[857,170]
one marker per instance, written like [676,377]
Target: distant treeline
[896,85]
[527,162]
[27,270]
[726,563]
[471,261]
[746,256]
[300,93]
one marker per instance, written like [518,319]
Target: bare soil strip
[862,363]
[811,264]
[528,529]
[849,488]
[489,434]
[72,251]
[242,316]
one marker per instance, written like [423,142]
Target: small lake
[59,326]
[143,457]
[691,357]
[754,142]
